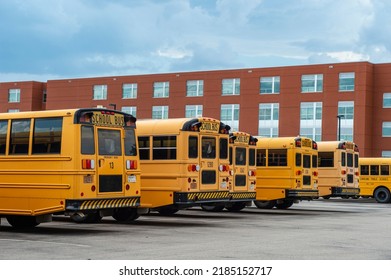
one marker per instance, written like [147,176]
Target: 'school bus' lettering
[209,127]
[244,139]
[107,119]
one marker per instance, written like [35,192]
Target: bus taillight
[298,172]
[251,173]
[357,174]
[315,173]
[193,167]
[343,172]
[88,164]
[131,164]
[224,168]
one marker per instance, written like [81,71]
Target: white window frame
[346,76]
[232,119]
[199,88]
[313,124]
[130,110]
[269,127]
[316,79]
[161,111]
[386,126]
[230,87]
[386,96]
[161,89]
[130,88]
[14,95]
[275,80]
[100,92]
[193,111]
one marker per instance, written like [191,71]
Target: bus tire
[167,210]
[22,221]
[236,206]
[269,204]
[212,208]
[126,214]
[382,195]
[285,204]
[90,218]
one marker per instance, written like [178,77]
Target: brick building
[350,101]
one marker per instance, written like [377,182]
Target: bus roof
[334,145]
[169,126]
[373,160]
[279,142]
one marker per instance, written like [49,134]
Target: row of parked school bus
[96,162]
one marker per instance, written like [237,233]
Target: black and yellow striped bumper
[301,194]
[99,204]
[242,196]
[201,197]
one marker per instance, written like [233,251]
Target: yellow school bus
[375,178]
[338,169]
[78,162]
[286,171]
[242,170]
[184,162]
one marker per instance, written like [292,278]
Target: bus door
[349,169]
[306,178]
[110,162]
[209,163]
[240,170]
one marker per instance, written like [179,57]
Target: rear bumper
[99,204]
[301,194]
[242,196]
[193,198]
[341,191]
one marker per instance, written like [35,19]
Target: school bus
[184,162]
[375,178]
[338,169]
[242,178]
[78,162]
[286,172]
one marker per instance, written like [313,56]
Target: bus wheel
[285,204]
[22,221]
[265,204]
[382,195]
[126,214]
[236,206]
[93,217]
[167,210]
[212,208]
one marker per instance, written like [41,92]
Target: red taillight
[193,167]
[131,164]
[127,187]
[88,164]
[357,174]
[93,188]
[315,173]
[343,172]
[298,172]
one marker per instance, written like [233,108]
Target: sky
[43,40]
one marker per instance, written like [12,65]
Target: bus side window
[277,157]
[87,140]
[47,136]
[384,170]
[3,136]
[20,135]
[364,169]
[143,145]
[261,157]
[193,147]
[374,169]
[164,147]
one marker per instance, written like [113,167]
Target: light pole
[339,126]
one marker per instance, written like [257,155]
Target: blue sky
[42,40]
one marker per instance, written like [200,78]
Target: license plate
[132,179]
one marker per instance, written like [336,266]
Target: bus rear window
[209,147]
[306,161]
[350,159]
[343,159]
[240,158]
[251,155]
[130,143]
[223,148]
[193,147]
[47,136]
[87,140]
[109,142]
[298,160]
[314,161]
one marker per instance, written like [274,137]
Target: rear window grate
[350,178]
[110,183]
[208,177]
[240,180]
[307,180]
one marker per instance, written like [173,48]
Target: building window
[195,88]
[346,113]
[100,92]
[230,115]
[386,131]
[159,112]
[386,154]
[312,83]
[193,111]
[268,119]
[14,95]
[129,91]
[13,110]
[270,85]
[346,81]
[231,86]
[130,110]
[161,89]
[311,120]
[387,100]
